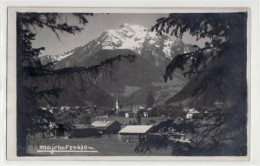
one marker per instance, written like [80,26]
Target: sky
[97,24]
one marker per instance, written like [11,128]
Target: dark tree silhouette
[220,64]
[32,120]
[222,28]
[139,117]
[150,100]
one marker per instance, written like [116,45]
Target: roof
[125,109]
[82,126]
[66,115]
[186,109]
[193,111]
[135,129]
[102,123]
[136,111]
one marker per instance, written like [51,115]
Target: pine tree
[32,120]
[150,100]
[221,64]
[227,32]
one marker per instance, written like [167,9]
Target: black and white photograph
[132,84]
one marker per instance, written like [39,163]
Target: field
[106,146]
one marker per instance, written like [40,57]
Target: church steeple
[117,103]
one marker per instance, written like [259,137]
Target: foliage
[30,68]
[224,57]
[86,119]
[150,100]
[167,110]
[207,135]
[222,28]
[139,117]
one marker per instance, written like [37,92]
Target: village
[121,129]
[128,123]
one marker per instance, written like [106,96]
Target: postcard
[128,84]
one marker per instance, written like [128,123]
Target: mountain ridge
[153,52]
[137,38]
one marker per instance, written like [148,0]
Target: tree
[85,119]
[150,100]
[222,28]
[220,64]
[138,117]
[31,119]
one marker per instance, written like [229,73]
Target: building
[66,117]
[191,113]
[135,132]
[60,130]
[125,111]
[129,114]
[117,104]
[107,127]
[146,114]
[149,112]
[82,131]
[137,110]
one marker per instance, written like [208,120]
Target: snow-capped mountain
[153,53]
[141,40]
[134,37]
[179,47]
[55,58]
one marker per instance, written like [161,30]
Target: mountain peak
[138,38]
[127,36]
[127,30]
[133,26]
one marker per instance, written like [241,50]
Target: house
[146,114]
[107,127]
[66,117]
[125,111]
[129,114]
[135,129]
[149,112]
[191,113]
[82,131]
[186,109]
[136,110]
[135,132]
[60,130]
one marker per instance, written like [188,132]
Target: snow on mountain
[150,45]
[179,47]
[125,37]
[133,37]
[55,58]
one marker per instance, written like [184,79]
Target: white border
[252,4]
[12,75]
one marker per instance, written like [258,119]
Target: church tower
[117,103]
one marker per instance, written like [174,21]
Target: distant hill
[224,82]
[76,93]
